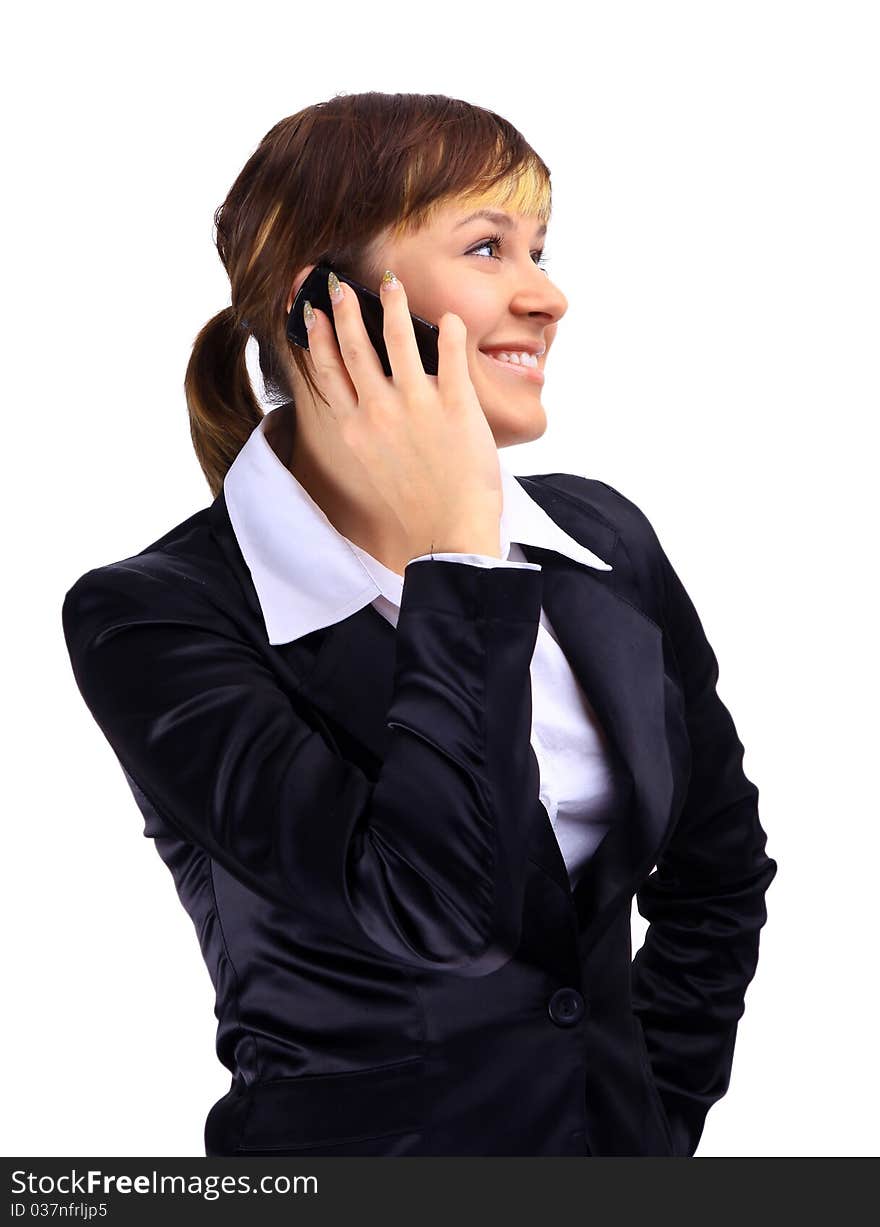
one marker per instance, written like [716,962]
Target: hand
[424,439]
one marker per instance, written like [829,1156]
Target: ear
[297,282]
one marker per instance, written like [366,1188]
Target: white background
[715,230]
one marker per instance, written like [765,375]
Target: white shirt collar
[307,574]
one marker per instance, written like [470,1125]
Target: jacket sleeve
[705,900]
[427,860]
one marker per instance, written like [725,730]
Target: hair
[322,186]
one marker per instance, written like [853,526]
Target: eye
[496,240]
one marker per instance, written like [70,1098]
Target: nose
[536,294]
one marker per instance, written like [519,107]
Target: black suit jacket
[353,824]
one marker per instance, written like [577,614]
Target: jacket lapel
[616,653]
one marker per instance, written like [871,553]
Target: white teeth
[519,358]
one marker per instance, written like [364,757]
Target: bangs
[474,178]
[527,192]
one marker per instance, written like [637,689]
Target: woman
[409,842]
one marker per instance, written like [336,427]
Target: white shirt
[308,575]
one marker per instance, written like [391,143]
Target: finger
[328,367]
[400,338]
[453,374]
[358,354]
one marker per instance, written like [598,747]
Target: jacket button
[566,1007]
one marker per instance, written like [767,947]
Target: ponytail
[223,409]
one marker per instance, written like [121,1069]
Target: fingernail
[308,315]
[389,281]
[334,288]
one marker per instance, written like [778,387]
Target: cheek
[476,308]
[473,303]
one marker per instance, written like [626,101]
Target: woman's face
[507,301]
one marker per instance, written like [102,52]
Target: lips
[533,373]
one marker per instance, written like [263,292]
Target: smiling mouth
[534,373]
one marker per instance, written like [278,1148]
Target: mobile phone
[314,288]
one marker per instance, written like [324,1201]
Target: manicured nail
[308,315]
[389,281]
[334,287]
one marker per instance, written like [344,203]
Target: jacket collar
[307,575]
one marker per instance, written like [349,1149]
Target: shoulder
[637,548]
[600,498]
[642,571]
[178,577]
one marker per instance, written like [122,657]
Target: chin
[512,424]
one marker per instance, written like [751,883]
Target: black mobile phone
[314,288]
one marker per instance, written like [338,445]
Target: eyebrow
[500,219]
